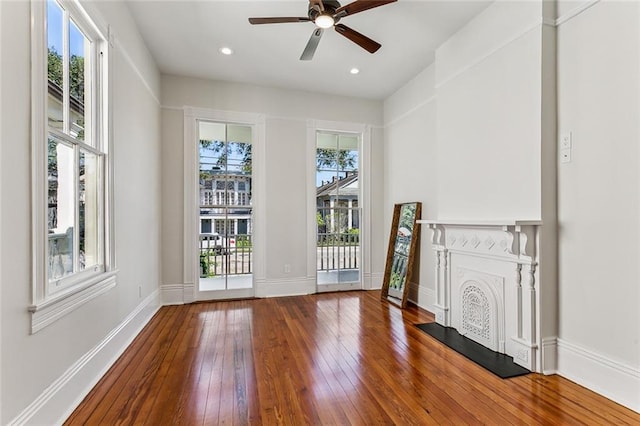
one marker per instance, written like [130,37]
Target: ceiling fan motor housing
[330,7]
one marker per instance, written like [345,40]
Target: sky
[54,31]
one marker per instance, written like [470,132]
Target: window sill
[49,311]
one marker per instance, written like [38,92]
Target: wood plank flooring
[327,359]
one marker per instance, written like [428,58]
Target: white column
[333,215]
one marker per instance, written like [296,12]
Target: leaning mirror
[403,241]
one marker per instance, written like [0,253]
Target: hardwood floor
[326,359]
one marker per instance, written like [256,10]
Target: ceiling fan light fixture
[324,21]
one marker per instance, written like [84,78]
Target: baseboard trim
[549,355]
[172,294]
[376,280]
[285,287]
[422,296]
[610,378]
[63,396]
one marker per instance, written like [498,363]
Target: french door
[225,225]
[338,212]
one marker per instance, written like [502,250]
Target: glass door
[337,211]
[225,249]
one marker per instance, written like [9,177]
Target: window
[70,144]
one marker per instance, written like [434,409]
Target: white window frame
[53,299]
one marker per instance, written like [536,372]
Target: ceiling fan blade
[282,20]
[359,6]
[318,3]
[362,40]
[312,45]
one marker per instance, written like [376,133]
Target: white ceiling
[184,37]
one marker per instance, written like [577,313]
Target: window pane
[88,206]
[54,64]
[240,167]
[78,49]
[61,197]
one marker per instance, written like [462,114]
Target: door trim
[313,126]
[190,265]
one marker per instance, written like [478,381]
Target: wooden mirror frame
[401,254]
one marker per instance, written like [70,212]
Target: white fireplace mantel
[487,284]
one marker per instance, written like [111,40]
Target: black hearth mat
[499,364]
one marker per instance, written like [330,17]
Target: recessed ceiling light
[354,71]
[226,51]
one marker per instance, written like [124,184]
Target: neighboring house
[337,204]
[225,203]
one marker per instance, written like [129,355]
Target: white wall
[497,107]
[489,115]
[598,199]
[410,168]
[44,374]
[284,206]
[466,135]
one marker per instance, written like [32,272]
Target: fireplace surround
[487,284]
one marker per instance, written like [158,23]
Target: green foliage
[223,151]
[396,281]
[407,216]
[55,73]
[349,238]
[54,66]
[76,76]
[331,158]
[243,241]
[207,265]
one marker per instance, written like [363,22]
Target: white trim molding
[550,355]
[610,378]
[49,311]
[575,12]
[285,287]
[372,280]
[515,37]
[422,296]
[376,281]
[172,294]
[190,273]
[62,397]
[410,111]
[364,147]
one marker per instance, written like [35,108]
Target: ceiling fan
[326,14]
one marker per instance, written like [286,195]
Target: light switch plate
[565,155]
[565,140]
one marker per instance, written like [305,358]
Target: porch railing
[233,255]
[338,251]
